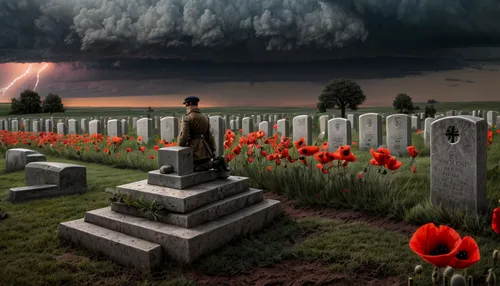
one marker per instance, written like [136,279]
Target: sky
[248,52]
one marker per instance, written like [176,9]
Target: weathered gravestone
[36,127]
[218,132]
[73,126]
[61,128]
[145,129]
[16,159]
[267,128]
[370,131]
[124,124]
[398,130]
[14,125]
[302,128]
[491,117]
[458,163]
[247,126]
[323,124]
[339,130]
[169,128]
[114,128]
[416,124]
[203,211]
[283,128]
[95,127]
[354,120]
[427,131]
[26,125]
[50,179]
[134,123]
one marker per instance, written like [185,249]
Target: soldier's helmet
[192,100]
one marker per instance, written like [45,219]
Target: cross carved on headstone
[452,133]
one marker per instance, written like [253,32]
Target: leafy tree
[430,111]
[52,103]
[431,101]
[403,103]
[28,102]
[342,94]
[321,106]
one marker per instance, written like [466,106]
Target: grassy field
[348,253]
[120,111]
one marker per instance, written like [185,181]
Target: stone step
[28,193]
[121,248]
[201,215]
[183,201]
[183,182]
[184,244]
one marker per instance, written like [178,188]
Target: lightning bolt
[3,90]
[38,76]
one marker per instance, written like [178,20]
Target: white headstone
[267,128]
[14,125]
[218,132]
[302,128]
[84,124]
[73,127]
[323,124]
[491,117]
[36,127]
[247,127]
[61,128]
[283,128]
[398,130]
[26,125]
[458,163]
[370,131]
[114,128]
[134,123]
[169,128]
[415,123]
[339,130]
[124,123]
[144,129]
[95,127]
[427,131]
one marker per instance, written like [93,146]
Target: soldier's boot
[220,164]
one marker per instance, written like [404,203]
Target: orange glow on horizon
[135,101]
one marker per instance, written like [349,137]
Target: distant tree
[321,106]
[403,103]
[430,111]
[417,107]
[342,94]
[431,101]
[28,102]
[52,103]
[150,109]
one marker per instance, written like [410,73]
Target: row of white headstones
[458,143]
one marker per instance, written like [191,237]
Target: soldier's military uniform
[195,133]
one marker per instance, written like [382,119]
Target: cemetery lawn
[309,246]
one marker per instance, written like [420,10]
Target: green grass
[122,111]
[31,254]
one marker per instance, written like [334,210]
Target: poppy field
[373,182]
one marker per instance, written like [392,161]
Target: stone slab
[29,193]
[121,248]
[183,201]
[69,178]
[17,158]
[183,182]
[181,158]
[187,245]
[201,215]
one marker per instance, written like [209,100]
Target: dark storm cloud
[243,30]
[459,80]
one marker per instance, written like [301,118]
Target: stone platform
[198,218]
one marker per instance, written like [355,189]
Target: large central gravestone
[18,158]
[458,162]
[370,131]
[204,211]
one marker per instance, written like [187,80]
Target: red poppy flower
[260,134]
[303,160]
[326,157]
[275,126]
[308,150]
[345,154]
[324,146]
[237,150]
[157,148]
[300,143]
[436,245]
[412,151]
[142,149]
[495,223]
[467,255]
[229,157]
[128,149]
[413,169]
[379,158]
[325,171]
[269,168]
[250,160]
[151,157]
[319,166]
[392,163]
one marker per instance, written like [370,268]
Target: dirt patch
[291,273]
[290,208]
[72,258]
